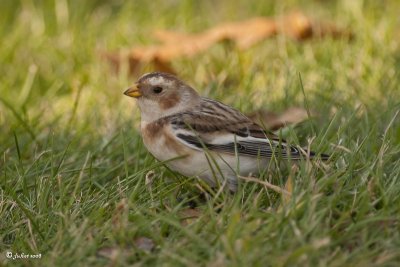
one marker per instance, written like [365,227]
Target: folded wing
[219,128]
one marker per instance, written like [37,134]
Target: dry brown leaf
[273,121]
[170,36]
[300,27]
[243,33]
[323,29]
[296,25]
[137,63]
[265,118]
[144,243]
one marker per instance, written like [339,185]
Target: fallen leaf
[300,27]
[296,25]
[273,121]
[137,64]
[243,33]
[323,29]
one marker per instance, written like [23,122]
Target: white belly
[211,167]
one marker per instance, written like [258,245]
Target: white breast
[164,146]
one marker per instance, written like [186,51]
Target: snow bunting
[200,137]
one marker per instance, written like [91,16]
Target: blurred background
[72,156]
[56,64]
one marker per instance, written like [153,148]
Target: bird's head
[162,94]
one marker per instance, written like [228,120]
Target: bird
[204,138]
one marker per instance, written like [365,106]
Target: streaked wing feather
[241,147]
[235,132]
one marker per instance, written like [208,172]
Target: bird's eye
[157,90]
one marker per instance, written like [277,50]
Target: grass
[73,166]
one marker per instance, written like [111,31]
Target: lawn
[78,187]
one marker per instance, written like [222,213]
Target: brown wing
[222,129]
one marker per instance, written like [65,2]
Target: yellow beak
[133,92]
